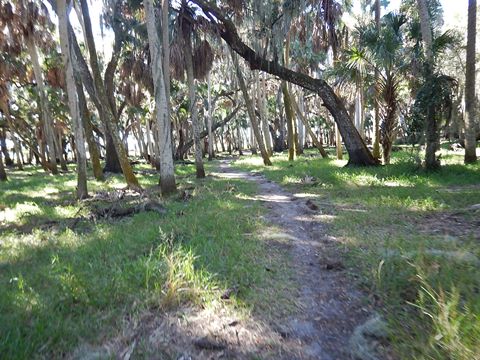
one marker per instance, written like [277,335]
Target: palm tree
[470,131]
[167,175]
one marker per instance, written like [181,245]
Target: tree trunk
[167,170]
[87,126]
[210,114]
[81,156]
[46,116]
[376,119]
[3,174]
[251,111]
[196,124]
[301,116]
[431,161]
[292,151]
[264,115]
[470,129]
[338,143]
[111,126]
[357,150]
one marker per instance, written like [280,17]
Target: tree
[82,191]
[103,102]
[167,171]
[3,174]
[470,116]
[358,151]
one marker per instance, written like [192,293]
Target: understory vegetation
[411,240]
[64,284]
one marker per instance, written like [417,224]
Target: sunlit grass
[60,288]
[407,231]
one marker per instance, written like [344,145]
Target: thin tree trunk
[3,174]
[167,170]
[338,143]
[264,115]
[196,124]
[302,118]
[210,114]
[432,141]
[251,111]
[470,129]
[80,152]
[292,151]
[46,116]
[106,111]
[376,118]
[87,126]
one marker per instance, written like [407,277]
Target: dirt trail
[331,306]
[328,309]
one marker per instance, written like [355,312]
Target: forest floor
[303,260]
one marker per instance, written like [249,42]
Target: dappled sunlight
[266,198]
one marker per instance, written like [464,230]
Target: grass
[412,242]
[61,288]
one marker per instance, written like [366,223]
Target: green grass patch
[412,239]
[60,288]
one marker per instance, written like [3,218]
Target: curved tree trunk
[470,131]
[81,156]
[167,170]
[46,116]
[357,150]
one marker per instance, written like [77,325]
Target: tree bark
[431,132]
[3,174]
[46,116]
[376,118]
[210,114]
[292,151]
[251,111]
[358,151]
[470,129]
[105,109]
[87,126]
[196,124]
[81,156]
[167,170]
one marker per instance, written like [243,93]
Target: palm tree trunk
[106,111]
[251,111]
[46,116]
[167,170]
[470,131]
[81,156]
